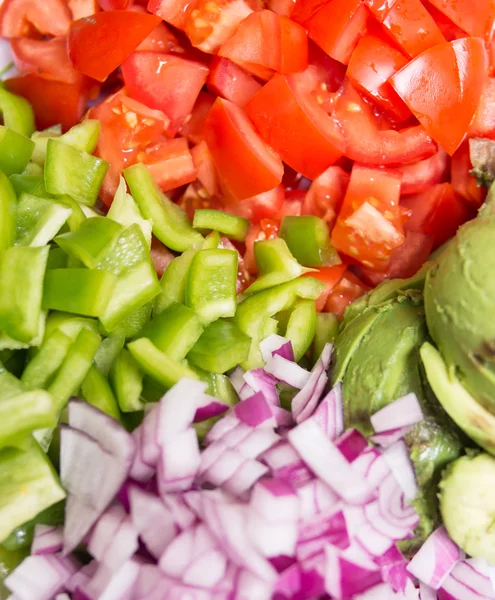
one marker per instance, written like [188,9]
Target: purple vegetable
[403,412]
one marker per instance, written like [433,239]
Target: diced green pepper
[108,351]
[83,136]
[174,331]
[15,151]
[22,414]
[77,216]
[158,365]
[40,139]
[91,241]
[14,361]
[17,112]
[72,172]
[25,182]
[132,324]
[79,291]
[8,211]
[22,536]
[21,289]
[220,348]
[211,284]
[33,169]
[308,239]
[96,390]
[173,281]
[41,369]
[152,390]
[235,228]
[211,241]
[7,342]
[8,562]
[126,212]
[39,220]
[327,329]
[68,324]
[301,327]
[9,385]
[127,382]
[169,222]
[129,251]
[57,258]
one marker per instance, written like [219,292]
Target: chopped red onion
[379,592]
[287,371]
[276,344]
[272,537]
[426,592]
[399,461]
[305,401]
[403,412]
[349,572]
[237,378]
[257,442]
[113,585]
[209,407]
[389,437]
[315,533]
[140,470]
[178,408]
[207,570]
[40,577]
[82,577]
[393,567]
[176,558]
[245,477]
[150,450]
[258,380]
[330,413]
[315,497]
[255,411]
[372,465]
[351,444]
[245,392]
[249,587]
[275,500]
[221,427]
[286,464]
[181,514]
[225,465]
[47,539]
[178,462]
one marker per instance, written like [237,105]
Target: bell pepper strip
[152,390]
[212,241]
[73,172]
[158,365]
[29,485]
[169,222]
[126,379]
[75,367]
[40,139]
[46,362]
[10,343]
[211,284]
[16,112]
[308,240]
[173,282]
[301,327]
[91,241]
[234,228]
[21,289]
[133,323]
[68,324]
[174,331]
[9,561]
[79,291]
[221,347]
[96,390]
[108,351]
[24,182]
[256,311]
[8,210]
[327,329]
[39,220]
[10,385]
[57,258]
[275,265]
[15,151]
[83,136]
[125,211]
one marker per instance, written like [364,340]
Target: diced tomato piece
[337,26]
[171,11]
[289,118]
[265,42]
[475,17]
[284,8]
[193,125]
[484,120]
[166,82]
[81,9]
[348,289]
[161,256]
[115,4]
[192,199]
[265,230]
[258,208]
[462,181]
[326,194]
[419,176]
[379,8]
[229,81]
[443,89]
[205,168]
[328,70]
[25,18]
[450,30]
[438,212]
[330,276]
[366,143]
[46,58]
[161,39]
[170,162]
[247,165]
[99,44]
[369,224]
[372,64]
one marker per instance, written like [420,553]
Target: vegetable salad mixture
[246,299]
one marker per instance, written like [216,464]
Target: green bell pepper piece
[235,228]
[308,239]
[211,241]
[17,113]
[72,172]
[132,325]
[126,212]
[24,413]
[7,342]
[96,390]
[8,211]
[169,222]
[32,169]
[83,136]
[152,390]
[8,562]
[40,139]
[211,284]
[108,351]
[327,329]
[130,250]
[25,182]
[79,291]
[57,258]
[39,220]
[10,385]
[91,241]
[220,348]
[13,360]
[15,151]
[157,365]
[126,378]
[77,217]
[173,281]
[174,331]
[41,369]
[21,289]
[29,485]
[301,327]
[68,324]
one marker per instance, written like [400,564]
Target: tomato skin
[484,120]
[81,9]
[367,144]
[170,162]
[475,17]
[161,39]
[259,208]
[115,4]
[25,18]
[418,177]
[463,182]
[229,81]
[330,276]
[193,125]
[165,82]
[265,230]
[205,168]
[247,165]
[99,44]
[171,11]
[328,70]
[345,291]
[325,196]
[292,122]
[449,30]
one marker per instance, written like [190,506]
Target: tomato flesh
[25,18]
[231,82]
[325,196]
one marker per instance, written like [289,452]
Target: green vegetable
[301,327]
[83,136]
[108,351]
[212,241]
[96,390]
[174,280]
[126,212]
[21,538]
[39,220]
[233,227]
[308,240]
[17,113]
[40,139]
[46,362]
[25,182]
[8,562]
[15,151]
[127,382]
[8,212]
[327,329]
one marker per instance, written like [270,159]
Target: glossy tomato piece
[265,42]
[99,44]
[206,172]
[330,276]
[345,291]
[247,164]
[290,119]
[193,125]
[372,64]
[443,88]
[419,176]
[366,143]
[450,30]
[463,182]
[325,196]
[369,224]
[161,39]
[82,8]
[26,18]
[166,82]
[267,229]
[229,81]
[115,4]
[193,198]
[483,124]
[328,70]
[170,162]
[379,8]
[284,8]
[258,208]
[475,17]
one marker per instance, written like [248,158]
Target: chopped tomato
[193,124]
[462,181]
[82,8]
[438,212]
[247,165]
[171,11]
[265,230]
[290,119]
[449,29]
[265,42]
[161,256]
[229,81]
[161,39]
[115,4]
[99,44]
[205,168]
[170,162]
[372,64]
[368,144]
[348,289]
[475,17]
[330,276]
[263,206]
[326,194]
[194,198]
[484,120]
[369,224]
[166,82]
[379,8]
[25,18]
[284,8]
[328,70]
[419,176]
[443,88]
